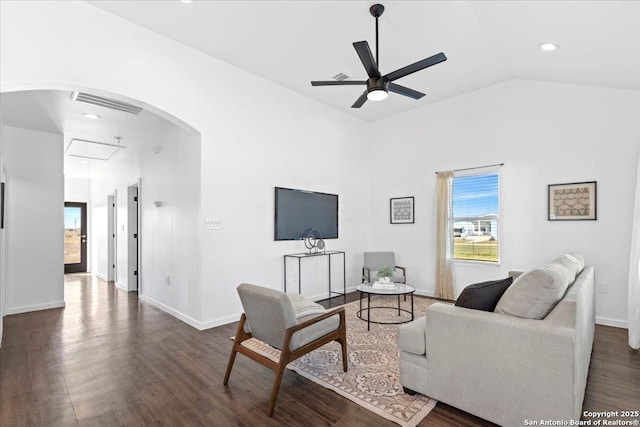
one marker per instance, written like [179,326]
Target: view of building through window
[476,215]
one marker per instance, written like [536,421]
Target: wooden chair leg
[240,336]
[232,359]
[276,388]
[343,343]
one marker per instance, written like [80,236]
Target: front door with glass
[75,237]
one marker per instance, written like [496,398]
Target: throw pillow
[483,296]
[534,294]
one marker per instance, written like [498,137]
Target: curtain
[634,273]
[444,237]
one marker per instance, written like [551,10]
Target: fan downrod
[376,10]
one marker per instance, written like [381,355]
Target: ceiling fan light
[549,46]
[377,95]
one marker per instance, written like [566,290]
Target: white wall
[170,253]
[545,133]
[34,220]
[283,147]
[76,189]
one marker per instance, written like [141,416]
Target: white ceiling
[486,42]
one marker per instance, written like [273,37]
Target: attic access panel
[92,149]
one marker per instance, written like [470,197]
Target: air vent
[340,77]
[105,102]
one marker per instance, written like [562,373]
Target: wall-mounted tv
[298,211]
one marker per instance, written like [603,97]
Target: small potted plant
[384,274]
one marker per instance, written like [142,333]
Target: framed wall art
[572,202]
[402,210]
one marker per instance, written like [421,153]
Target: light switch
[212,224]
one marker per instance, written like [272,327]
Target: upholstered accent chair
[287,322]
[374,260]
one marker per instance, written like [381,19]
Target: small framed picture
[572,202]
[402,210]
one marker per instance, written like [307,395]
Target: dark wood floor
[108,360]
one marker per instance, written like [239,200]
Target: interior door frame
[112,240]
[134,280]
[80,267]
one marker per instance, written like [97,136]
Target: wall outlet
[602,287]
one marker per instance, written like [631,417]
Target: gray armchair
[374,260]
[287,322]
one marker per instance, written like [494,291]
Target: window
[476,215]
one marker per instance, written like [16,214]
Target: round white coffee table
[398,290]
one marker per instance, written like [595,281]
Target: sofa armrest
[495,365]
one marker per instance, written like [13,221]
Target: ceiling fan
[379,86]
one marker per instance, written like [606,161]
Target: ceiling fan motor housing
[377,83]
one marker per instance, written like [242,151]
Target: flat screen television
[299,211]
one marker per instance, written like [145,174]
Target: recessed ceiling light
[91,116]
[549,46]
[186,1]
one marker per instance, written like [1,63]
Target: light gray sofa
[502,368]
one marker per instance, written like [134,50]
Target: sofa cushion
[483,296]
[567,265]
[534,294]
[578,259]
[412,336]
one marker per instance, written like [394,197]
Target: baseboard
[175,313]
[101,276]
[612,322]
[1,322]
[122,287]
[219,322]
[325,295]
[36,307]
[426,294]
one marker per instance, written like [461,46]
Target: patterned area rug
[372,380]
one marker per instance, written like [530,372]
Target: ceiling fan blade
[396,88]
[420,65]
[367,58]
[360,101]
[338,83]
